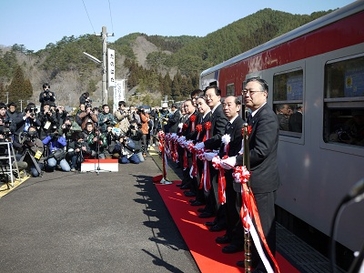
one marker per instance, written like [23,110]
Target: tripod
[97,169]
[27,156]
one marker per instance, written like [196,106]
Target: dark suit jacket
[218,123]
[188,131]
[263,144]
[173,121]
[234,147]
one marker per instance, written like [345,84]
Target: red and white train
[317,68]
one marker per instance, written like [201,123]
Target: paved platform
[88,222]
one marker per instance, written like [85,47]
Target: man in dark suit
[263,144]
[218,123]
[295,120]
[234,233]
[203,117]
[173,119]
[188,131]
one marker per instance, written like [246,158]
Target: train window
[345,79]
[230,90]
[288,102]
[344,102]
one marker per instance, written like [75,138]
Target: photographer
[56,151]
[47,95]
[5,134]
[85,116]
[68,127]
[85,98]
[4,123]
[113,141]
[32,144]
[23,122]
[47,118]
[61,113]
[11,114]
[122,117]
[96,140]
[105,118]
[127,151]
[135,134]
[77,151]
[144,118]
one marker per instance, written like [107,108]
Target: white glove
[209,156]
[180,125]
[228,163]
[200,146]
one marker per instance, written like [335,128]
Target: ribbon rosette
[199,130]
[241,174]
[208,129]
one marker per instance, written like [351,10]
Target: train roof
[334,16]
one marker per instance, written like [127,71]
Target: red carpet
[200,241]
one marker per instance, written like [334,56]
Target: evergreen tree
[19,88]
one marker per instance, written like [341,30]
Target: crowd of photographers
[50,138]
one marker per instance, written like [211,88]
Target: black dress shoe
[185,187]
[223,240]
[210,224]
[217,227]
[189,194]
[197,203]
[201,209]
[230,249]
[192,201]
[206,215]
[179,185]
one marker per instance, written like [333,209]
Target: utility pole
[104,36]
[21,105]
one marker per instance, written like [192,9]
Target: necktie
[249,119]
[228,126]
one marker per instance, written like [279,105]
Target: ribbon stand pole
[162,179]
[247,237]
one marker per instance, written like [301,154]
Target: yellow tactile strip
[5,189]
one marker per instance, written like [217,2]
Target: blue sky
[36,23]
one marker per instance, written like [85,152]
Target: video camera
[5,133]
[26,137]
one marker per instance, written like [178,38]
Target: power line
[112,24]
[88,16]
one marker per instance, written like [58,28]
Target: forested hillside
[154,66]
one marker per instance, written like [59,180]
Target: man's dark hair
[12,104]
[196,93]
[261,81]
[217,90]
[45,85]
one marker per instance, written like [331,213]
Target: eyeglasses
[209,96]
[251,92]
